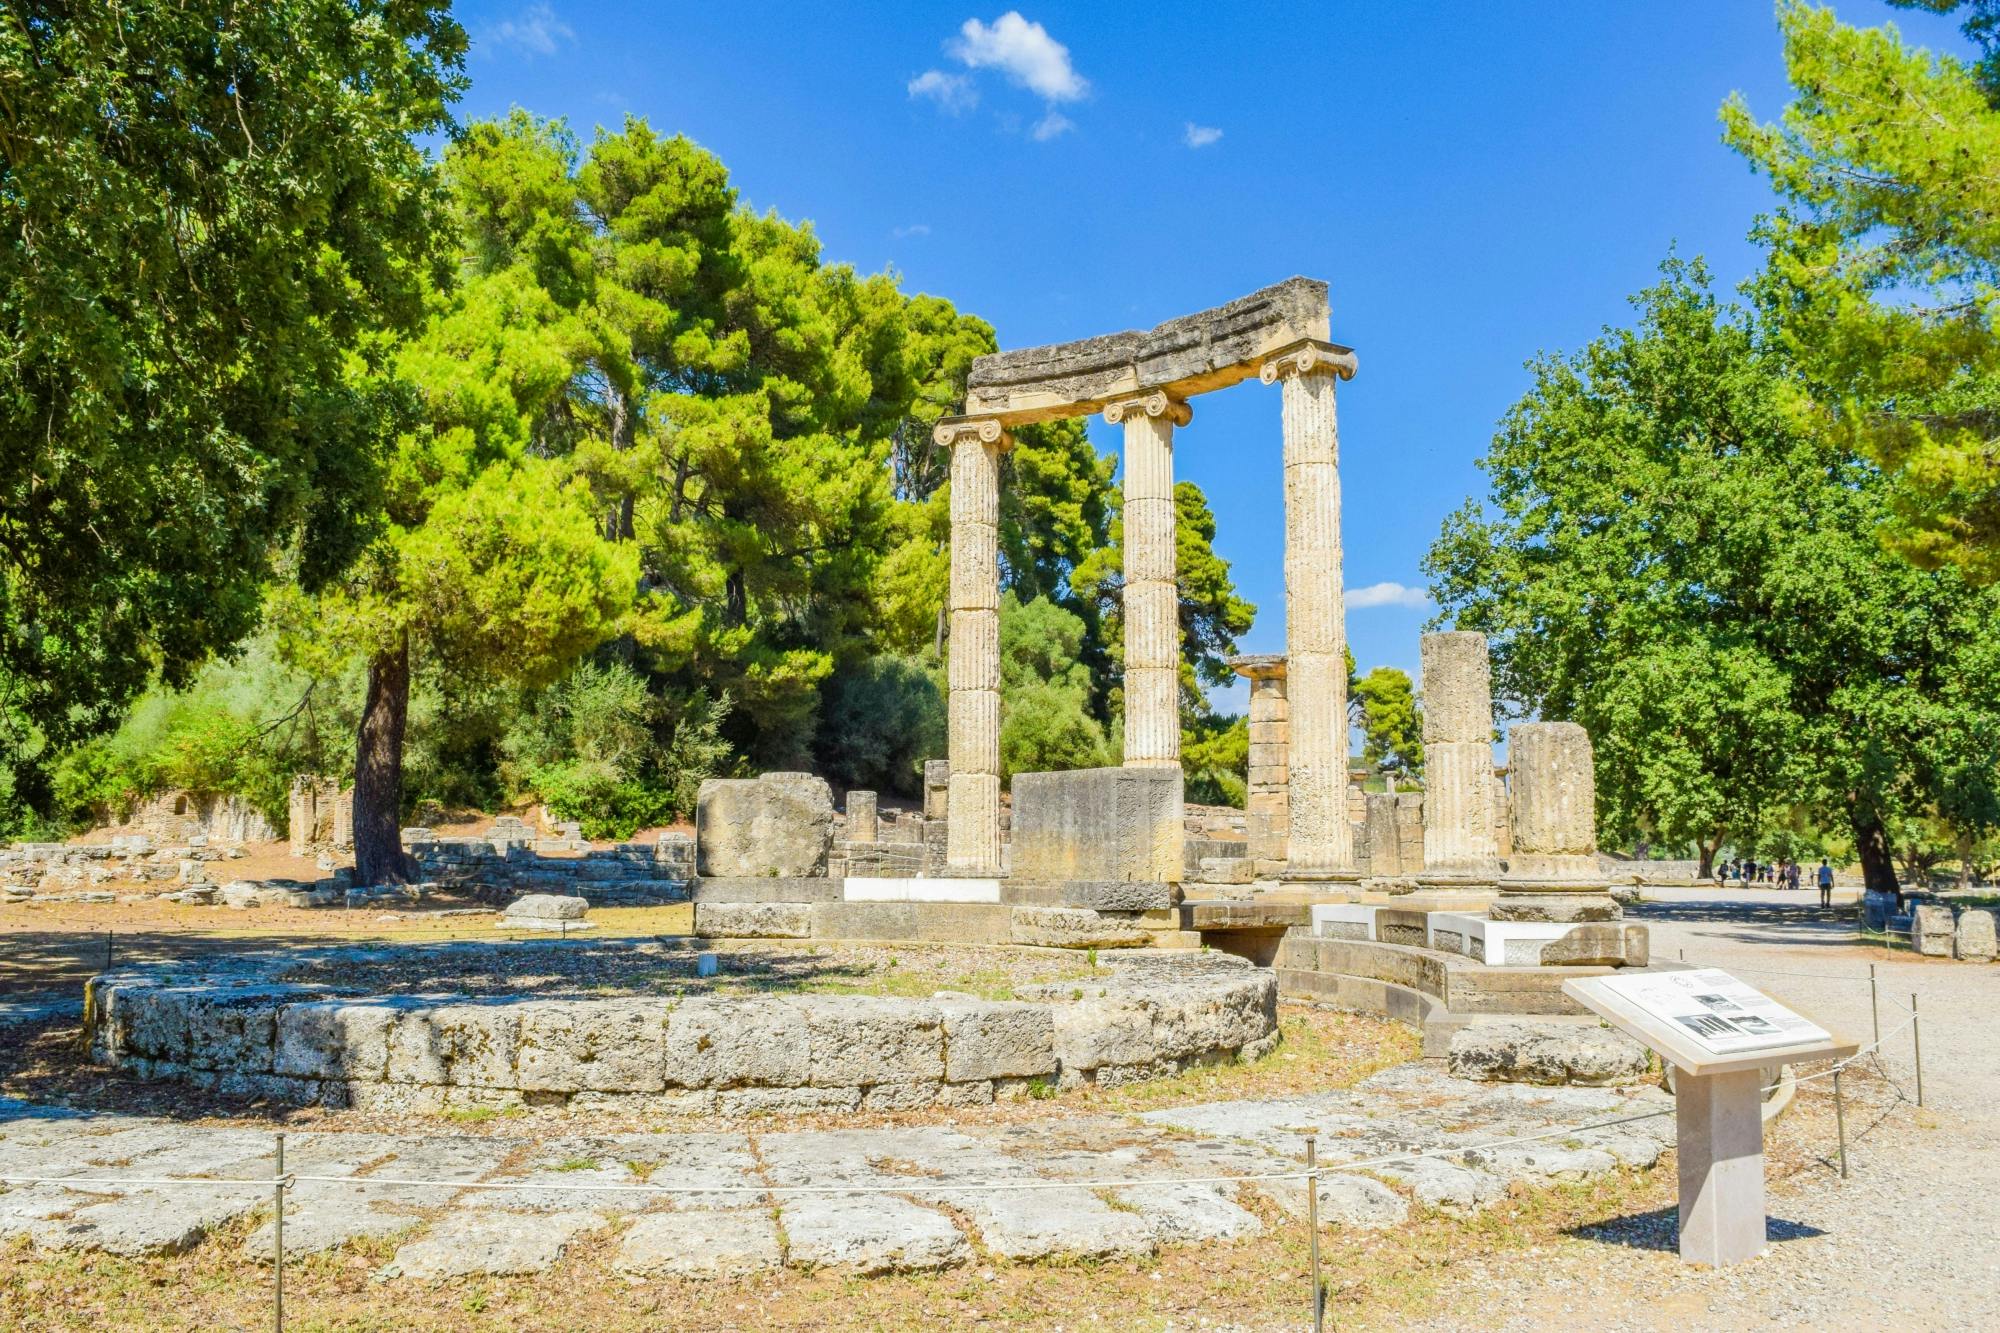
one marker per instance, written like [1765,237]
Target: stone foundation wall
[235,1029]
[632,872]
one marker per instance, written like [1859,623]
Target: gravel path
[1911,1240]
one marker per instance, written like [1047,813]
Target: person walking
[1825,877]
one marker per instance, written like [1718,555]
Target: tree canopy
[1671,559]
[213,214]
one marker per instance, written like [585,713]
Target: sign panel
[1714,1009]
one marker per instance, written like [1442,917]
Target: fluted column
[1321,845]
[1152,597]
[1459,838]
[972,838]
[1552,874]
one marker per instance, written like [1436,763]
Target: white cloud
[1052,124]
[535,31]
[1386,594]
[1201,136]
[1024,51]
[914,229]
[953,92]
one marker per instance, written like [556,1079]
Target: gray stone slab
[767,889]
[1098,824]
[497,1243]
[700,1244]
[778,824]
[869,1233]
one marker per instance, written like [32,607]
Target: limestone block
[778,824]
[1932,930]
[1554,802]
[706,1244]
[1115,895]
[733,1043]
[937,787]
[547,907]
[1228,870]
[988,1040]
[802,889]
[783,921]
[1099,824]
[1546,1053]
[457,1045]
[1598,944]
[337,1039]
[234,1030]
[1974,940]
[867,1040]
[601,1046]
[861,816]
[1075,928]
[1556,907]
[1105,1031]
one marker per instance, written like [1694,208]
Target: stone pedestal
[1321,845]
[1460,847]
[1152,597]
[1553,873]
[1267,809]
[973,838]
[1720,1150]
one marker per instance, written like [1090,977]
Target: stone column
[972,839]
[1459,841]
[1322,838]
[1553,873]
[861,816]
[1267,809]
[1152,597]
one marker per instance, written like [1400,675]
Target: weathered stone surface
[1974,939]
[1196,353]
[870,1234]
[788,921]
[702,1244]
[767,889]
[547,907]
[1932,930]
[728,1042]
[1116,896]
[608,1046]
[1267,808]
[995,1039]
[1075,928]
[490,1241]
[777,824]
[1558,907]
[1597,944]
[1099,824]
[1554,808]
[864,1039]
[1547,1053]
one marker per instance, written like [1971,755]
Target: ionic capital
[1310,357]
[953,431]
[1152,403]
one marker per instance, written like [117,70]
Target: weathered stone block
[1546,1053]
[1598,944]
[337,1039]
[1099,824]
[989,1040]
[783,921]
[1105,1031]
[233,1030]
[1075,928]
[600,1046]
[1579,907]
[867,1040]
[547,907]
[460,1045]
[734,1043]
[1115,896]
[778,824]
[766,889]
[1974,940]
[1932,930]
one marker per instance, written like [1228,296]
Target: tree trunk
[1871,841]
[1708,851]
[378,772]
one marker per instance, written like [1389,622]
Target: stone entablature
[236,1026]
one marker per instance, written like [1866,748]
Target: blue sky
[1476,184]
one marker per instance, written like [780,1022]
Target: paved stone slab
[490,1242]
[702,1244]
[869,1233]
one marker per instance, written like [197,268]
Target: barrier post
[1312,1221]
[1840,1122]
[278,1239]
[1874,1004]
[1917,1044]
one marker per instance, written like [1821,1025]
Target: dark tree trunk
[1878,867]
[1708,851]
[378,772]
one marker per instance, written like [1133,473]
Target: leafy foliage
[1046,723]
[1391,727]
[213,213]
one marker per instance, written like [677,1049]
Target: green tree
[1884,266]
[1670,560]
[1392,728]
[212,211]
[1045,718]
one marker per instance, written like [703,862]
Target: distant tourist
[1825,883]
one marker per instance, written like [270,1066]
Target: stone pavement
[910,1220]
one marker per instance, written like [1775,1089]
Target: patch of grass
[477,1115]
[576,1164]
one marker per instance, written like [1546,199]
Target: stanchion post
[1917,1045]
[1312,1221]
[278,1239]
[107,951]
[1874,1004]
[1840,1122]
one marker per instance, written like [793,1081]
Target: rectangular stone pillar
[1267,809]
[1152,596]
[1322,838]
[1719,1126]
[972,845]
[1459,841]
[1552,873]
[861,816]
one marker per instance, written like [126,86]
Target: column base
[1293,874]
[1544,903]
